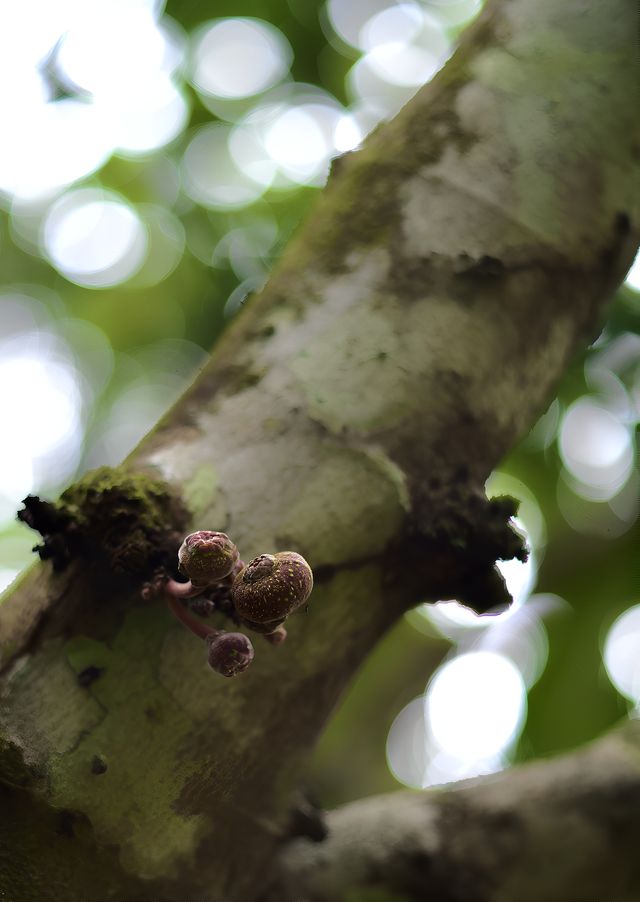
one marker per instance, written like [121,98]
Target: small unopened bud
[229,653]
[277,637]
[206,557]
[271,587]
[203,607]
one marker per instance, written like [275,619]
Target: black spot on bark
[622,223]
[306,819]
[89,675]
[65,822]
[485,266]
[98,765]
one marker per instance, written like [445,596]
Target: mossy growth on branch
[129,520]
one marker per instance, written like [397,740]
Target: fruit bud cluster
[258,596]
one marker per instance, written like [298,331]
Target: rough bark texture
[411,333]
[564,830]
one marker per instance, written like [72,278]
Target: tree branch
[409,336]
[562,830]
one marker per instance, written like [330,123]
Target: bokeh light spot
[348,18]
[348,134]
[288,140]
[396,23]
[108,47]
[300,140]
[149,116]
[402,64]
[40,407]
[475,705]
[239,57]
[29,29]
[39,401]
[50,146]
[522,638]
[406,744]
[213,178]
[633,276]
[596,449]
[166,245]
[7,576]
[399,59]
[241,292]
[606,519]
[247,250]
[622,654]
[94,238]
[149,381]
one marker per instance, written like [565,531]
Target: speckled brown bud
[229,653]
[271,586]
[206,557]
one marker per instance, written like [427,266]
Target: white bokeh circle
[239,57]
[475,705]
[596,449]
[94,238]
[622,653]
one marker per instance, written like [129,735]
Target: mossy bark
[411,333]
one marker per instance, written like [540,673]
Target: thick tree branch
[410,335]
[562,830]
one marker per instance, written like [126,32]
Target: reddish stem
[182,590]
[197,627]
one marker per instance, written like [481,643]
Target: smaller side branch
[562,830]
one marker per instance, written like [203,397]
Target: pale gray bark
[562,830]
[411,333]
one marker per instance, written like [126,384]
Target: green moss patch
[130,520]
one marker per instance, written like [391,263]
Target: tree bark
[563,830]
[411,333]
